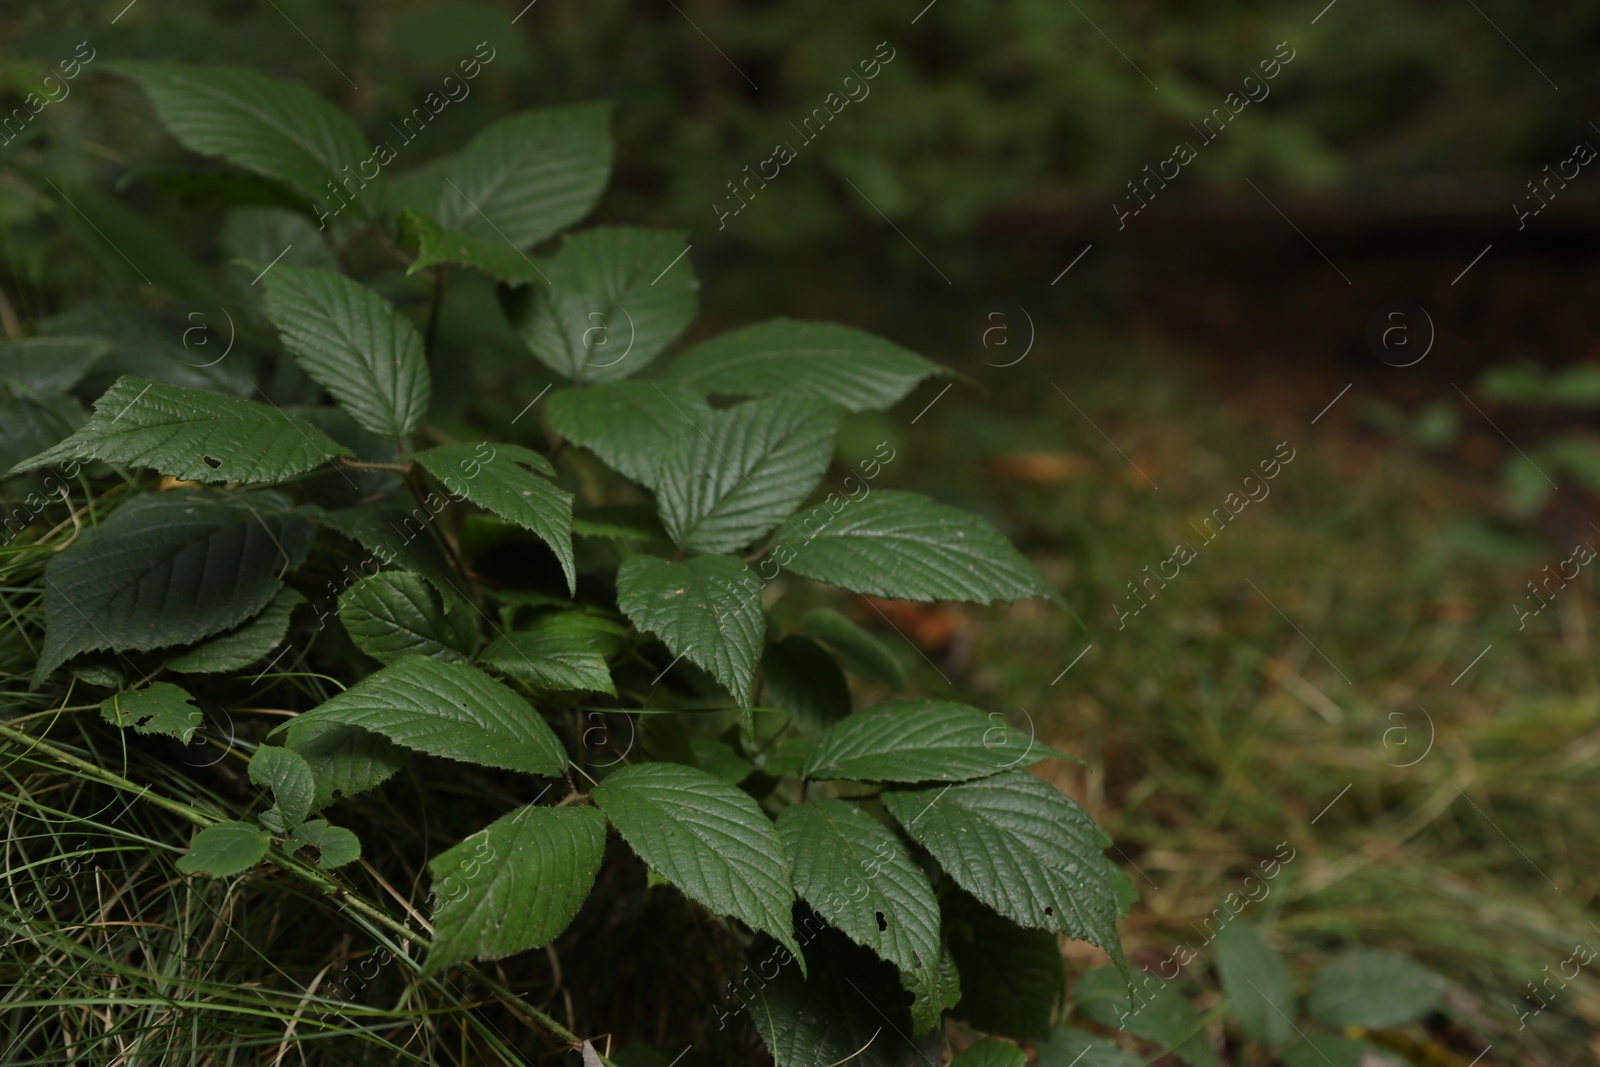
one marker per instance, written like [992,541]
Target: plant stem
[371,465]
[433,311]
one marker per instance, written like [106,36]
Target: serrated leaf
[394,614]
[630,425]
[260,234]
[907,547]
[169,569]
[744,470]
[1374,989]
[1257,982]
[556,653]
[244,644]
[933,992]
[991,1052]
[1020,846]
[397,532]
[49,364]
[707,838]
[800,677]
[528,176]
[707,610]
[1158,1013]
[346,760]
[193,436]
[1070,1047]
[514,885]
[499,483]
[293,786]
[783,357]
[31,424]
[855,644]
[923,741]
[449,710]
[353,343]
[858,875]
[225,849]
[1011,978]
[609,303]
[720,760]
[281,130]
[849,1010]
[437,243]
[162,708]
[335,845]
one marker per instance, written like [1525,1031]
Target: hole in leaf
[212,462]
[882,923]
[1049,911]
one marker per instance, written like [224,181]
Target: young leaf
[278,129]
[744,470]
[355,344]
[394,614]
[169,569]
[515,884]
[500,484]
[225,849]
[194,436]
[707,610]
[855,644]
[630,425]
[933,992]
[437,243]
[923,741]
[244,644]
[707,838]
[609,304]
[800,677]
[906,547]
[449,710]
[1257,982]
[346,760]
[162,708]
[1011,978]
[783,357]
[292,783]
[858,875]
[1021,847]
[46,365]
[1374,989]
[556,653]
[335,845]
[1159,1013]
[991,1052]
[526,177]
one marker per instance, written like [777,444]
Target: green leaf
[609,304]
[1328,1050]
[934,992]
[783,357]
[345,759]
[335,845]
[1078,1048]
[260,234]
[292,782]
[707,610]
[923,741]
[1021,847]
[394,614]
[1011,978]
[856,645]
[526,177]
[449,710]
[1257,982]
[169,569]
[396,532]
[278,129]
[744,470]
[858,875]
[195,436]
[800,677]
[1160,1013]
[707,838]
[162,708]
[718,759]
[500,484]
[225,849]
[991,1052]
[437,243]
[1374,989]
[849,1010]
[244,644]
[353,343]
[514,885]
[630,425]
[49,364]
[30,424]
[556,653]
[907,547]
